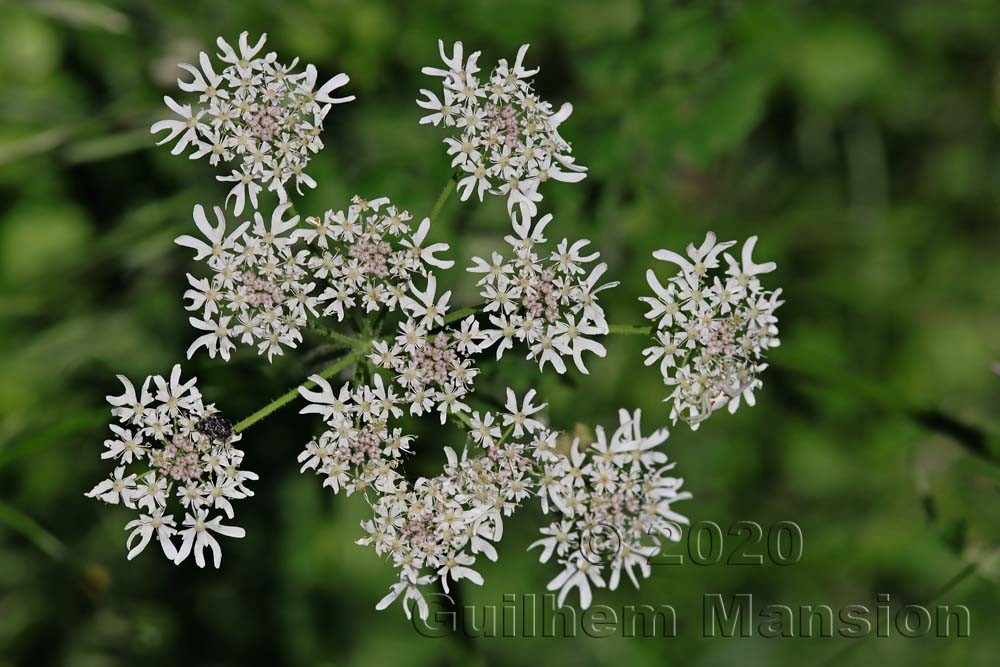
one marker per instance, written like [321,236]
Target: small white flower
[150,492]
[369,254]
[117,488]
[218,241]
[427,254]
[561,538]
[408,588]
[426,306]
[216,340]
[519,415]
[198,535]
[483,430]
[126,447]
[434,529]
[259,280]
[130,407]
[457,567]
[148,526]
[580,574]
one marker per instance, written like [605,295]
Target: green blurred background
[858,138]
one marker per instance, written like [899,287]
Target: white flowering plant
[366,279]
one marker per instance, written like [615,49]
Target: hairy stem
[290,395]
[335,336]
[460,314]
[630,329]
[442,198]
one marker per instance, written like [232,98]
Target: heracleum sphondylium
[368,279]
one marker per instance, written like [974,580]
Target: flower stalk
[290,395]
[334,336]
[442,199]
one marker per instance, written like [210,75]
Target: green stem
[292,394]
[506,434]
[631,329]
[334,336]
[461,314]
[442,198]
[462,419]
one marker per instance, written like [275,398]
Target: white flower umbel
[549,303]
[256,115]
[259,293]
[435,528]
[714,325]
[174,458]
[433,368]
[359,449]
[611,504]
[368,255]
[505,139]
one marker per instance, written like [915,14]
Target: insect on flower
[184,462]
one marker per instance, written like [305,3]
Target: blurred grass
[859,139]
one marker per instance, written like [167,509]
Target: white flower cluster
[612,502]
[609,502]
[551,305]
[182,450]
[713,327]
[260,292]
[370,252]
[256,114]
[434,369]
[358,450]
[433,529]
[506,138]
